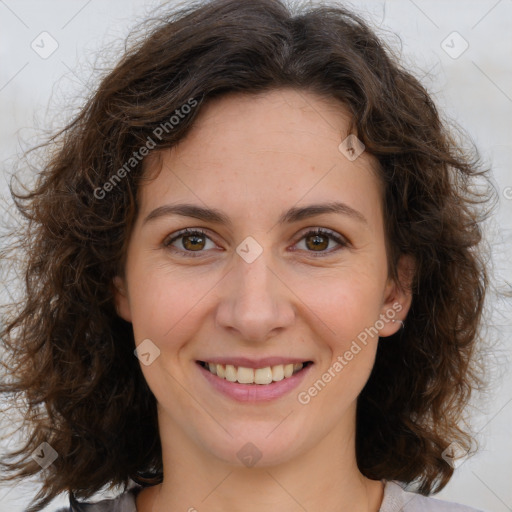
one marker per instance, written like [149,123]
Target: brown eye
[322,241]
[193,242]
[189,242]
[317,242]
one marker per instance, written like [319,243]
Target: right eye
[188,241]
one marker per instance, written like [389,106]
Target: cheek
[349,346]
[344,302]
[168,307]
[345,305]
[164,302]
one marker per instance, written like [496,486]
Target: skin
[253,157]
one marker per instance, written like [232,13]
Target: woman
[264,208]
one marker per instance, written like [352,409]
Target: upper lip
[254,363]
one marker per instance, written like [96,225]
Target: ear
[121,299]
[398,297]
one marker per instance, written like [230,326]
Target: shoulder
[123,503]
[396,499]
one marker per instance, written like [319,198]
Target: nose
[255,302]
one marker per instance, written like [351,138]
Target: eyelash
[196,231]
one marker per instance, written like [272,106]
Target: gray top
[396,499]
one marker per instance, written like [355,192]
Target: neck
[325,477]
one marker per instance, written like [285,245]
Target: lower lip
[255,392]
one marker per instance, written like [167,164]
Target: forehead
[280,146]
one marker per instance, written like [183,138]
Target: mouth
[254,376]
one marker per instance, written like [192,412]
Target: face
[278,261]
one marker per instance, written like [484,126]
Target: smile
[261,376]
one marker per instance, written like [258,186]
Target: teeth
[263,375]
[230,373]
[244,375]
[277,372]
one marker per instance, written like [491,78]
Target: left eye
[319,240]
[196,241]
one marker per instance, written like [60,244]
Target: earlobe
[398,297]
[121,300]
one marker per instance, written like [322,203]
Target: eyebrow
[294,214]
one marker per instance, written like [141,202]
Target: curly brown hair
[69,356]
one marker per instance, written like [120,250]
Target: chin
[256,447]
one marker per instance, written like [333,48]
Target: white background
[474,89]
